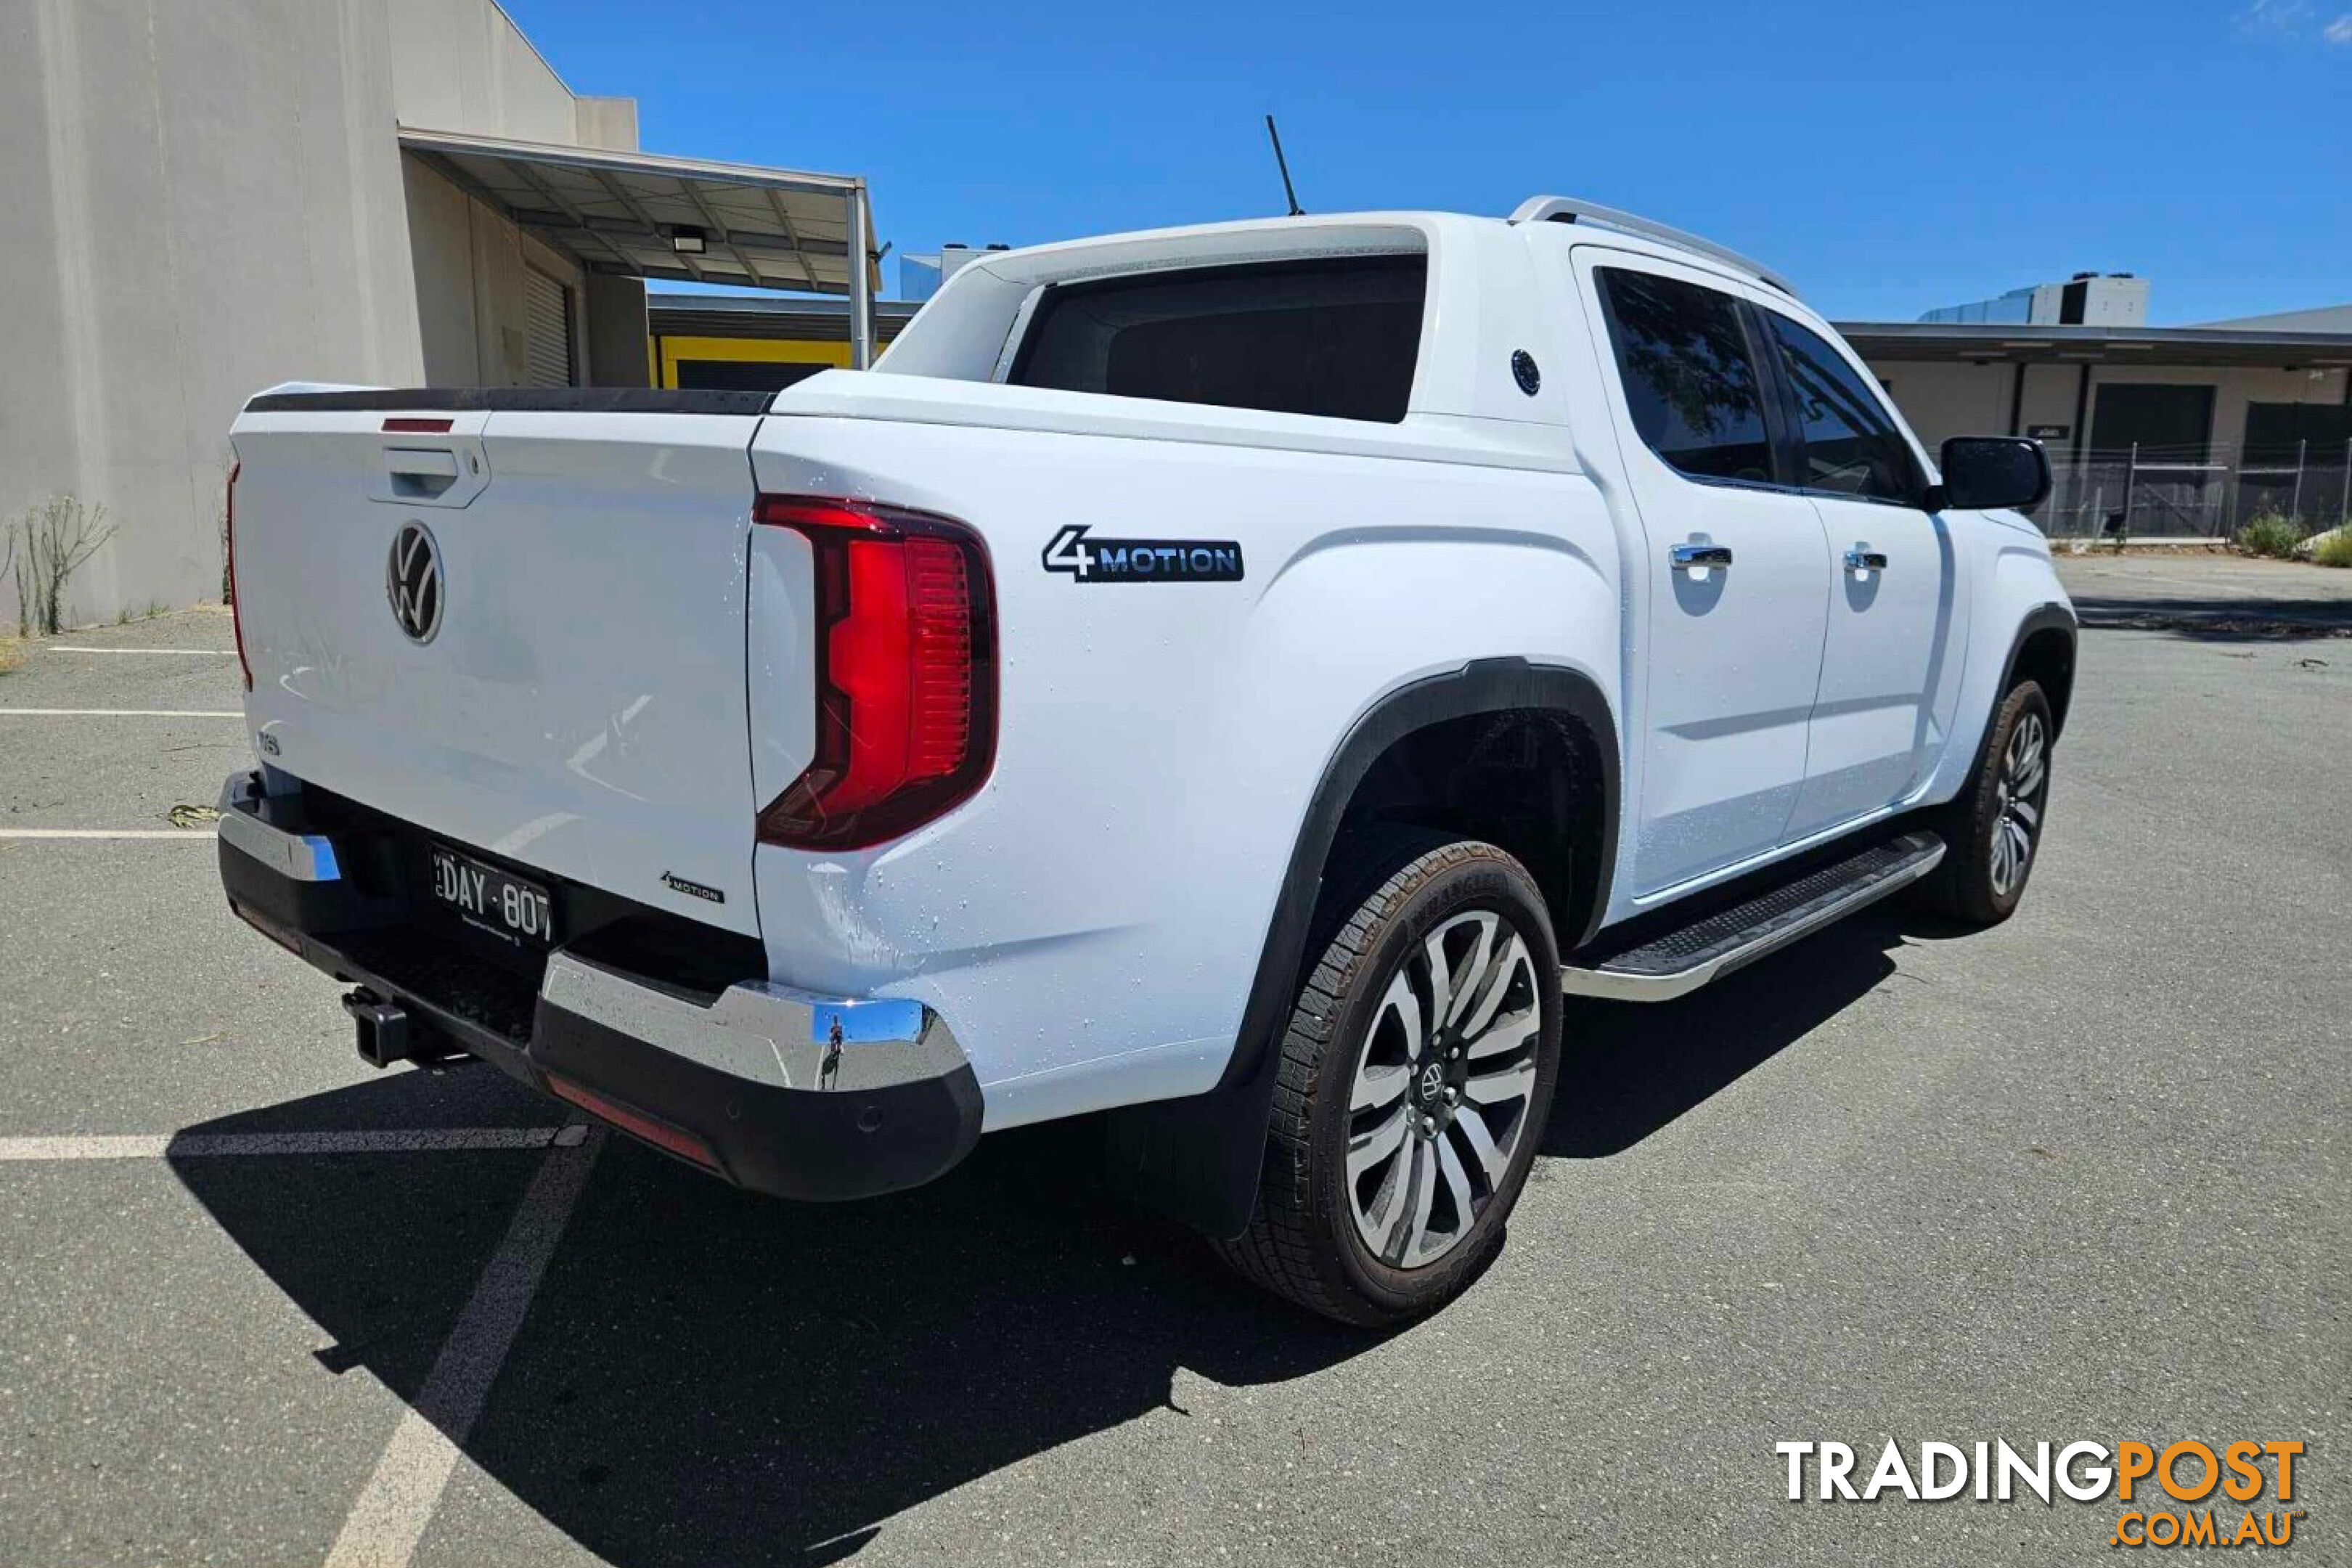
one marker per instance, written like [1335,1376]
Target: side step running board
[1680,962]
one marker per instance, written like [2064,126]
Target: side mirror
[1985,471]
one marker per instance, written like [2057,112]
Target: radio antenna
[1283,164]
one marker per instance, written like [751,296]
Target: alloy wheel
[2018,803]
[1443,1083]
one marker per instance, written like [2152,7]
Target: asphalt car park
[2086,1176]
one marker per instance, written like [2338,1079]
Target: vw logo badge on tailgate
[412,579]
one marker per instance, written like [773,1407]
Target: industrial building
[204,199]
[2154,433]
[2085,299]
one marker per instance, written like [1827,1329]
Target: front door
[1890,675]
[1730,569]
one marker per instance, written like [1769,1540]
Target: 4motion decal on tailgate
[678,884]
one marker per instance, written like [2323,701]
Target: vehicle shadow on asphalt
[710,1376]
[2219,619]
[1629,1068]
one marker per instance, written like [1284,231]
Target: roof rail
[1570,209]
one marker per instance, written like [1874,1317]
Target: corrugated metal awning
[620,212]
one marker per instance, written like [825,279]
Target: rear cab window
[1333,337]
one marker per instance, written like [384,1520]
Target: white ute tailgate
[581,705]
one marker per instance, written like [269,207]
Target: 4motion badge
[678,884]
[1088,559]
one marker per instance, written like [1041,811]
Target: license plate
[492,901]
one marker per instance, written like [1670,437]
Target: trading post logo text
[2188,1471]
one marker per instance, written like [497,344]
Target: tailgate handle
[420,471]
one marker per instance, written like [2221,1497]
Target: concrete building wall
[607,122]
[618,352]
[2234,389]
[169,244]
[1941,398]
[469,261]
[463,65]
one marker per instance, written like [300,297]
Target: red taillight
[228,546]
[660,1134]
[905,673]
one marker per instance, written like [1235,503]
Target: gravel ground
[2084,1176]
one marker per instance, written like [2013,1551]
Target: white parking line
[207,652]
[197,835]
[398,1501]
[209,1145]
[121,713]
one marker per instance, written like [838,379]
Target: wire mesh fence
[2156,493]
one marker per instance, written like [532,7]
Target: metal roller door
[547,331]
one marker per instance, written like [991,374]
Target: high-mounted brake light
[905,673]
[235,600]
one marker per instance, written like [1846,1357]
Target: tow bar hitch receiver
[386,1033]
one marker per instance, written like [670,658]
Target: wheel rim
[1444,1076]
[2018,801]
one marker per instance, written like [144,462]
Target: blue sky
[1889,156]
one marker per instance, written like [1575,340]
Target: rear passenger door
[1730,568]
[1889,677]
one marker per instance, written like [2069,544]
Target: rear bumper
[776,1089]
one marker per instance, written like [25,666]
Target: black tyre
[1416,1075]
[1993,830]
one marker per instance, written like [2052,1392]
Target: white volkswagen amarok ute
[1247,681]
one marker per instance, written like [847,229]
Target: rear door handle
[1700,557]
[1860,560]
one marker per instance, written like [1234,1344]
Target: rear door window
[1852,445]
[1691,383]
[1331,337]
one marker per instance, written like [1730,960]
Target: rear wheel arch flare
[1198,1159]
[1482,703]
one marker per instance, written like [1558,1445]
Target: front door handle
[1700,557]
[1860,560]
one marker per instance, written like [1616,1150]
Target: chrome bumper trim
[299,856]
[765,1032]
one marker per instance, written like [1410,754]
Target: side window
[1690,382]
[1852,445]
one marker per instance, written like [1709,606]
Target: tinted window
[1850,442]
[1690,384]
[1329,337]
